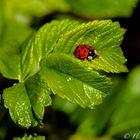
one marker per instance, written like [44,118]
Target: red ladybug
[85,52]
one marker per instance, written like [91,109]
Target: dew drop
[68,79]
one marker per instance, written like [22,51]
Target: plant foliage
[30,137]
[45,63]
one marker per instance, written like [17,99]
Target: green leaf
[64,36]
[13,34]
[10,48]
[30,58]
[51,50]
[102,8]
[26,102]
[41,44]
[126,117]
[120,111]
[10,60]
[17,100]
[30,137]
[96,121]
[105,36]
[70,79]
[48,36]
[39,95]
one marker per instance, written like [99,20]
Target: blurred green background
[118,117]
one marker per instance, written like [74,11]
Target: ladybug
[85,52]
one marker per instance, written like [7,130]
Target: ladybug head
[91,55]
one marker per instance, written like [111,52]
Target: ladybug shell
[82,51]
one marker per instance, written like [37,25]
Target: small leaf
[102,8]
[27,102]
[18,103]
[30,58]
[30,137]
[39,95]
[71,80]
[105,36]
